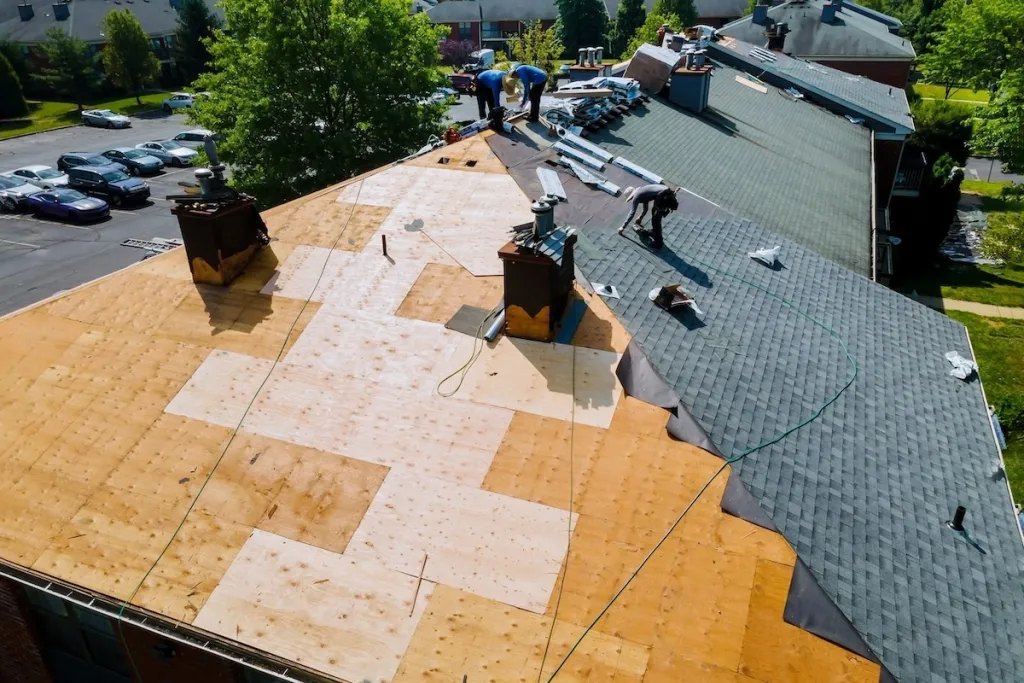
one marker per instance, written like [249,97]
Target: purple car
[70,204]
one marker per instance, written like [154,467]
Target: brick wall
[20,660]
[894,73]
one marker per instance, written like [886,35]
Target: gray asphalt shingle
[790,165]
[863,491]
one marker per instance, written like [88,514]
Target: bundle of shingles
[592,104]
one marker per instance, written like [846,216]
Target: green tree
[629,17]
[1004,238]
[1001,129]
[648,33]
[128,57]
[979,42]
[581,23]
[12,104]
[196,24]
[537,46]
[942,128]
[683,9]
[17,59]
[307,93]
[70,67]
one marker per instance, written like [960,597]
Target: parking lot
[40,257]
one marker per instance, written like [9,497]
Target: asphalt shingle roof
[852,35]
[525,10]
[792,166]
[884,102]
[863,491]
[157,17]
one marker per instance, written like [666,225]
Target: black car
[110,182]
[137,161]
[73,159]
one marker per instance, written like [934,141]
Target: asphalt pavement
[40,257]
[989,169]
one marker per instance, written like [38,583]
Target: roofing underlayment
[854,34]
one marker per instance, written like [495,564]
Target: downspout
[873,212]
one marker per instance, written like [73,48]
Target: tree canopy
[979,43]
[648,32]
[456,52]
[537,46]
[581,23]
[629,17]
[128,57]
[70,67]
[196,24]
[307,93]
[1001,130]
[12,104]
[684,10]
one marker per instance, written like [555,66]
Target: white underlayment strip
[489,544]
[449,439]
[347,617]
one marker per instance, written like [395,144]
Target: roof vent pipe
[590,56]
[599,54]
[543,219]
[957,523]
[582,58]
[26,12]
[828,13]
[760,14]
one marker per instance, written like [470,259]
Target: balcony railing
[908,182]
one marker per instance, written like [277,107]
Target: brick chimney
[691,83]
[828,12]
[61,11]
[776,35]
[26,12]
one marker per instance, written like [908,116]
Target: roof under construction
[309,465]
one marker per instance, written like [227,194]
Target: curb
[37,132]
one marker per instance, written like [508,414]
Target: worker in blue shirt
[487,86]
[533,80]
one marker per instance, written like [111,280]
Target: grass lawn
[985,188]
[938,92]
[48,115]
[999,347]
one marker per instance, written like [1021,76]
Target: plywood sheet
[671,666]
[195,562]
[36,507]
[323,500]
[776,651]
[449,439]
[402,353]
[366,282]
[488,544]
[381,189]
[340,615]
[235,320]
[599,328]
[324,222]
[538,378]
[441,290]
[464,634]
[104,303]
[473,155]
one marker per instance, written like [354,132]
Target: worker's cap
[511,85]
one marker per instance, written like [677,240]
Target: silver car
[170,152]
[40,176]
[104,118]
[14,191]
[193,139]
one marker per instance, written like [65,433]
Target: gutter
[995,440]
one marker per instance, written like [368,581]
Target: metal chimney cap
[540,206]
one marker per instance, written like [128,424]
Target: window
[157,43]
[490,31]
[465,30]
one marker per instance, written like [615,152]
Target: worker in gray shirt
[665,202]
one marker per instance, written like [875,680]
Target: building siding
[890,72]
[20,658]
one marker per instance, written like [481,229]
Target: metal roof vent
[61,11]
[828,13]
[26,12]
[957,523]
[760,16]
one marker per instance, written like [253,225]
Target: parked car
[170,152]
[41,176]
[135,160]
[70,204]
[193,139]
[116,186]
[181,100]
[461,82]
[104,118]
[14,192]
[73,159]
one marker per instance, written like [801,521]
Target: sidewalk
[986,310]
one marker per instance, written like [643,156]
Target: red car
[461,82]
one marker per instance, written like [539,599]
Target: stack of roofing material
[602,100]
[652,66]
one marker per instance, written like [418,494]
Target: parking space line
[21,244]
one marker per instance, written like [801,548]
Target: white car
[14,192]
[180,100]
[40,176]
[193,139]
[104,118]
[170,152]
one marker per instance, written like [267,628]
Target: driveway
[989,169]
[41,257]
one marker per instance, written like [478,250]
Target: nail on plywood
[37,505]
[776,651]
[398,352]
[195,562]
[673,666]
[323,500]
[464,634]
[449,439]
[345,617]
[537,378]
[488,544]
[441,290]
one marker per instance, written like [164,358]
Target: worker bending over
[533,80]
[665,202]
[487,85]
